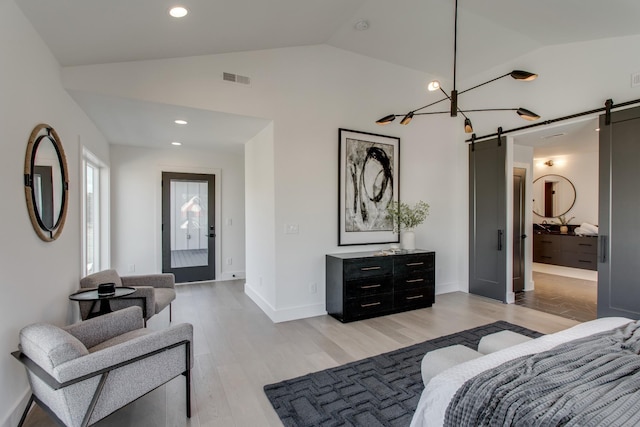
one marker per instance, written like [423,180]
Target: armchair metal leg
[188,381]
[26,411]
[187,375]
[169,312]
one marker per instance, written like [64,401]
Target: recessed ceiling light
[178,11]
[180,122]
[176,143]
[361,25]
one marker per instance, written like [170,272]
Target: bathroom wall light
[180,122]
[549,163]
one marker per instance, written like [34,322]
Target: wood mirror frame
[47,229]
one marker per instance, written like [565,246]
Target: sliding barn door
[619,239]
[488,219]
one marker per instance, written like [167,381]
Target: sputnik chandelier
[453,97]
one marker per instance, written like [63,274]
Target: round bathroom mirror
[553,195]
[45,182]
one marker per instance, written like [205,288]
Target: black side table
[92,295]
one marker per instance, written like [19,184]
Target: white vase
[408,240]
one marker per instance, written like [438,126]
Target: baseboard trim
[287,314]
[13,418]
[447,288]
[231,275]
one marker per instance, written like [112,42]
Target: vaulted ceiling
[414,33]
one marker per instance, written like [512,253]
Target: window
[95,240]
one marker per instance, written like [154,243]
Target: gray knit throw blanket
[593,381]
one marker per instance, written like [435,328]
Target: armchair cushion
[50,346]
[100,329]
[164,296]
[95,279]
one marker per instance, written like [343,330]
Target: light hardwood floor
[238,350]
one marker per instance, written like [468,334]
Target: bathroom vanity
[569,250]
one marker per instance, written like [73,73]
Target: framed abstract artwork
[369,180]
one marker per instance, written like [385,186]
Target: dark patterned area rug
[378,391]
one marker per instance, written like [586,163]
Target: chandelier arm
[429,105]
[489,109]
[431,112]
[485,83]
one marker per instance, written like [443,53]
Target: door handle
[212,235]
[603,248]
[500,232]
[524,236]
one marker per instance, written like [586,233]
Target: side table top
[92,294]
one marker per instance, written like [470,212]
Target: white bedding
[441,389]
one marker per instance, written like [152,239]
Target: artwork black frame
[362,220]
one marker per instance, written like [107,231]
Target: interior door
[487,219]
[188,226]
[619,232]
[519,230]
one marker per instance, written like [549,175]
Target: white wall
[260,220]
[136,202]
[310,92]
[37,277]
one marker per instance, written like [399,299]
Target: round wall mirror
[553,195]
[45,182]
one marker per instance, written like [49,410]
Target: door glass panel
[189,225]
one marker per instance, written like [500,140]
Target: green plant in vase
[564,223]
[405,218]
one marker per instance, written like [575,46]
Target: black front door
[487,219]
[188,226]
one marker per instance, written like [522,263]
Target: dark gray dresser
[364,284]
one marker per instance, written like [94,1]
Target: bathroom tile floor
[564,296]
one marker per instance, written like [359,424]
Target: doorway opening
[188,226]
[561,281]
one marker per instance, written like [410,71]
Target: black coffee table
[92,295]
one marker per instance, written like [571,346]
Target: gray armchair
[81,373]
[153,292]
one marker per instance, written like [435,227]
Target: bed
[442,388]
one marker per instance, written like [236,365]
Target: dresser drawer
[414,298]
[369,306]
[367,267]
[368,286]
[412,280]
[580,260]
[408,264]
[586,245]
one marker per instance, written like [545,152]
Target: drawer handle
[546,257]
[585,261]
[373,304]
[416,297]
[370,268]
[370,286]
[585,244]
[414,280]
[415,264]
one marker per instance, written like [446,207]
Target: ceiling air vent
[236,78]
[635,79]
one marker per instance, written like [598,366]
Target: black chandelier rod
[455,44]
[485,83]
[607,108]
